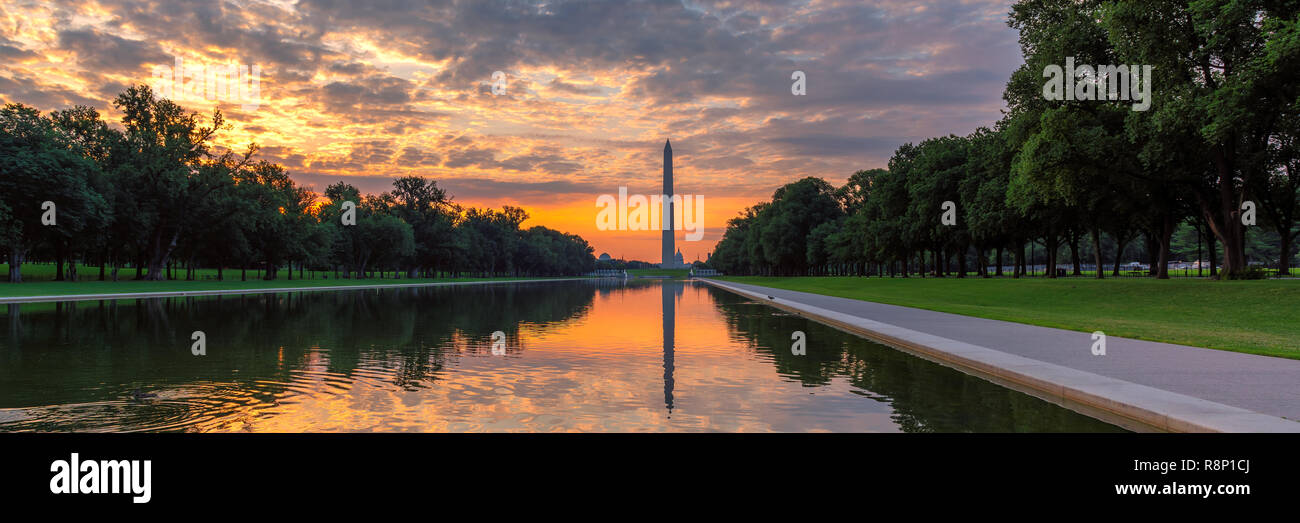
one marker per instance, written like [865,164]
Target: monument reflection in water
[598,355]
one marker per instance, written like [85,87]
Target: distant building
[604,256]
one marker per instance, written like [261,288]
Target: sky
[366,91]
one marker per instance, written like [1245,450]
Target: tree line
[158,196]
[1218,151]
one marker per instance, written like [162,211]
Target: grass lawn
[1258,317]
[38,281]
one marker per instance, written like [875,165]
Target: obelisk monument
[666,258]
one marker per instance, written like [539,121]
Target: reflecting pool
[597,355]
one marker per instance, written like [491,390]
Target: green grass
[1257,317]
[38,281]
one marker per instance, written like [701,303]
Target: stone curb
[1116,401]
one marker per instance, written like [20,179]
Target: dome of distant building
[604,256]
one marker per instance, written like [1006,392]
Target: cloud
[368,91]
[102,51]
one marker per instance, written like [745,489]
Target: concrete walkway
[1160,385]
[214,292]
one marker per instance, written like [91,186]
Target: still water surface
[578,356]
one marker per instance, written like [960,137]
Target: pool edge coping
[216,292]
[1124,403]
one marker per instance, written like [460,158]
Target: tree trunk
[161,254]
[1166,235]
[1153,251]
[1121,241]
[1284,259]
[1210,249]
[16,265]
[1228,228]
[1052,244]
[1074,254]
[1096,252]
[1017,260]
[961,261]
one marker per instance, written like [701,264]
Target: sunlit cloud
[366,92]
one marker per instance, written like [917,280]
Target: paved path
[1262,384]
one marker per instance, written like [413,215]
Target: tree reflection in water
[598,355]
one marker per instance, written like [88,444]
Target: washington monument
[668,259]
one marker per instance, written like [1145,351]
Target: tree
[933,175]
[429,211]
[1221,91]
[39,164]
[983,191]
[166,170]
[797,208]
[83,132]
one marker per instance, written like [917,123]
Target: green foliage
[161,193]
[1222,129]
[779,236]
[39,163]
